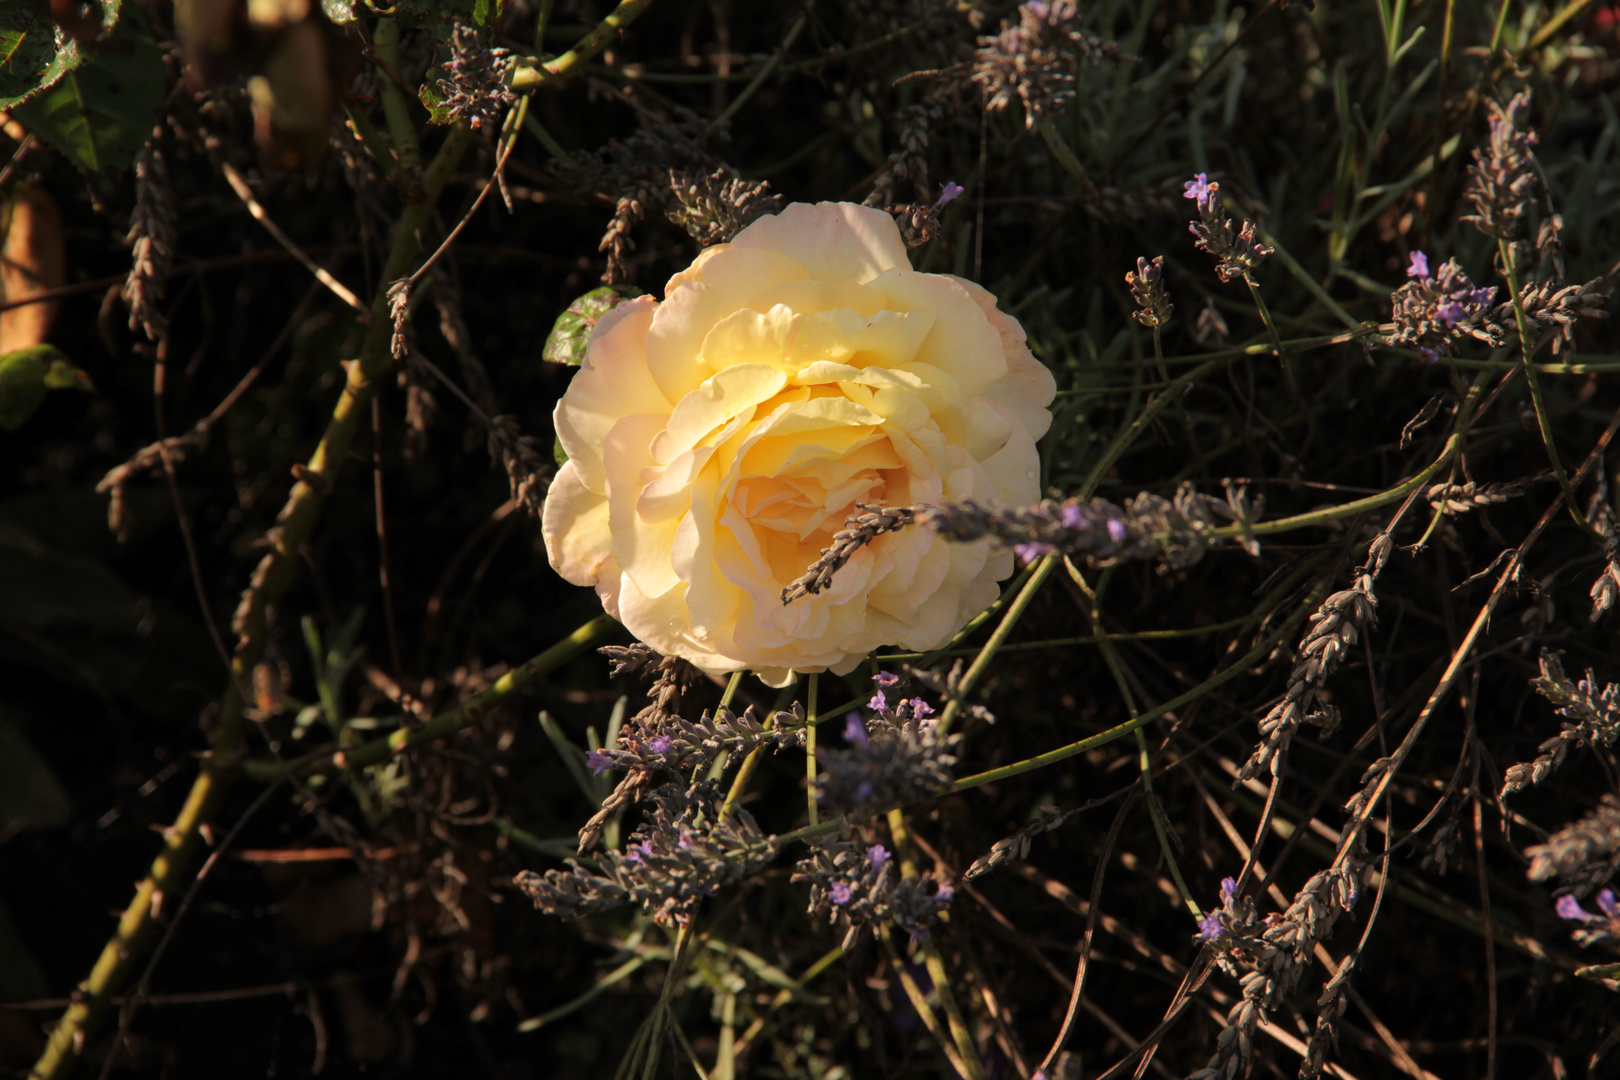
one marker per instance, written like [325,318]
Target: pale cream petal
[642,547]
[1015,472]
[692,307]
[574,525]
[661,621]
[611,384]
[812,295]
[962,343]
[1028,387]
[834,241]
[979,427]
[716,400]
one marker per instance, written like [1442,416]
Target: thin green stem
[1124,439]
[1542,420]
[1237,667]
[447,723]
[931,957]
[1271,328]
[532,73]
[1344,510]
[1144,756]
[810,751]
[1015,611]
[765,72]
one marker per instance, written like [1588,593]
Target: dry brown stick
[1392,764]
[1091,927]
[245,193]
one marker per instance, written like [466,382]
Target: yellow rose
[718,439]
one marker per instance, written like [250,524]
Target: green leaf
[25,376]
[571,333]
[30,795]
[101,113]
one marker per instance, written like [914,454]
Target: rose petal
[834,241]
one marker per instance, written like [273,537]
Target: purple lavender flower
[948,191]
[1570,908]
[863,791]
[659,744]
[855,731]
[639,853]
[1033,550]
[1200,189]
[886,679]
[598,762]
[1607,904]
[878,855]
[1071,517]
[1451,313]
[1430,356]
[839,893]
[1419,267]
[1228,888]
[1211,928]
[1116,530]
[878,703]
[921,708]
[1484,297]
[944,894]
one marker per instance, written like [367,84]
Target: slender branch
[269,582]
[245,193]
[445,724]
[532,73]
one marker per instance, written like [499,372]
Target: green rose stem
[532,72]
[934,962]
[294,526]
[809,751]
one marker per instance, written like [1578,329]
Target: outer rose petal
[718,439]
[834,241]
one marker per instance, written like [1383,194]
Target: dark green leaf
[30,795]
[572,330]
[25,376]
[101,113]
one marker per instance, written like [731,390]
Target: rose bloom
[718,439]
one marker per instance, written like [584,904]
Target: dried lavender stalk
[477,88]
[1268,956]
[1503,181]
[1016,846]
[858,531]
[685,852]
[1335,626]
[1032,60]
[669,169]
[151,240]
[1596,717]
[1455,499]
[1571,851]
